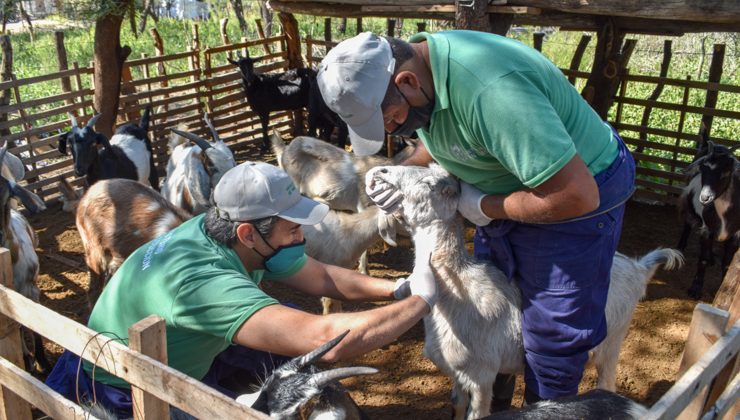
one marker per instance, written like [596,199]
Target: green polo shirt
[198,285]
[505,117]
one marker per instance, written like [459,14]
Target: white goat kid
[342,237]
[474,330]
[194,170]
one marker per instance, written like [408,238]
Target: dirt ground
[408,385]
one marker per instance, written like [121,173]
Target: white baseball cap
[353,79]
[254,190]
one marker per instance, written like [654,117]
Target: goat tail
[667,257]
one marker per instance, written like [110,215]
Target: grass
[691,57]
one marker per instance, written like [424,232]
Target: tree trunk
[239,12]
[471,14]
[266,17]
[144,15]
[109,58]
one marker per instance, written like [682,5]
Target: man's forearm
[349,285]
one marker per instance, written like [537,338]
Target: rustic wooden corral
[635,16]
[169,386]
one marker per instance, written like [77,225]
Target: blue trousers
[76,385]
[562,270]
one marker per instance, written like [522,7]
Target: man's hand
[469,204]
[402,289]
[383,194]
[423,284]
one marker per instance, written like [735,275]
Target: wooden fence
[181,87]
[155,385]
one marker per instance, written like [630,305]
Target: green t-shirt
[199,287]
[505,117]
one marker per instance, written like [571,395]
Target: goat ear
[249,399]
[236,63]
[31,201]
[387,228]
[62,147]
[102,139]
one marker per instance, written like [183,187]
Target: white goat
[342,237]
[194,170]
[474,330]
[17,235]
[115,217]
[330,174]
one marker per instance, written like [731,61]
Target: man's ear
[245,234]
[407,77]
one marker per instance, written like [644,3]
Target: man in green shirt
[203,278]
[543,178]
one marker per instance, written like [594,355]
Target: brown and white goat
[17,235]
[115,217]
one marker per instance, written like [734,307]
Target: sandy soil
[408,385]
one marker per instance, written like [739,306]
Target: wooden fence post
[290,30]
[421,26]
[359,25]
[667,54]
[538,37]
[196,44]
[327,35]
[261,32]
[222,29]
[575,62]
[62,58]
[681,121]
[12,406]
[5,75]
[391,27]
[707,325]
[715,74]
[161,71]
[149,337]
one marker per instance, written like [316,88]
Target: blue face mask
[284,256]
[418,116]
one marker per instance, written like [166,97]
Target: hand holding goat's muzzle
[385,195]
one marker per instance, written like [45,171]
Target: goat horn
[318,352]
[73,120]
[93,120]
[214,133]
[200,141]
[321,379]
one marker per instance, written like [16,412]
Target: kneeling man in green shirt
[203,278]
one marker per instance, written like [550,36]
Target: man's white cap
[353,79]
[255,190]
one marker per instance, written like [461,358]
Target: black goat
[128,154]
[711,201]
[595,404]
[298,390]
[273,92]
[321,117]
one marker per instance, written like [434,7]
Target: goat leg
[265,121]
[684,237]
[42,363]
[705,259]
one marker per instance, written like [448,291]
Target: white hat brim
[367,139]
[305,212]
